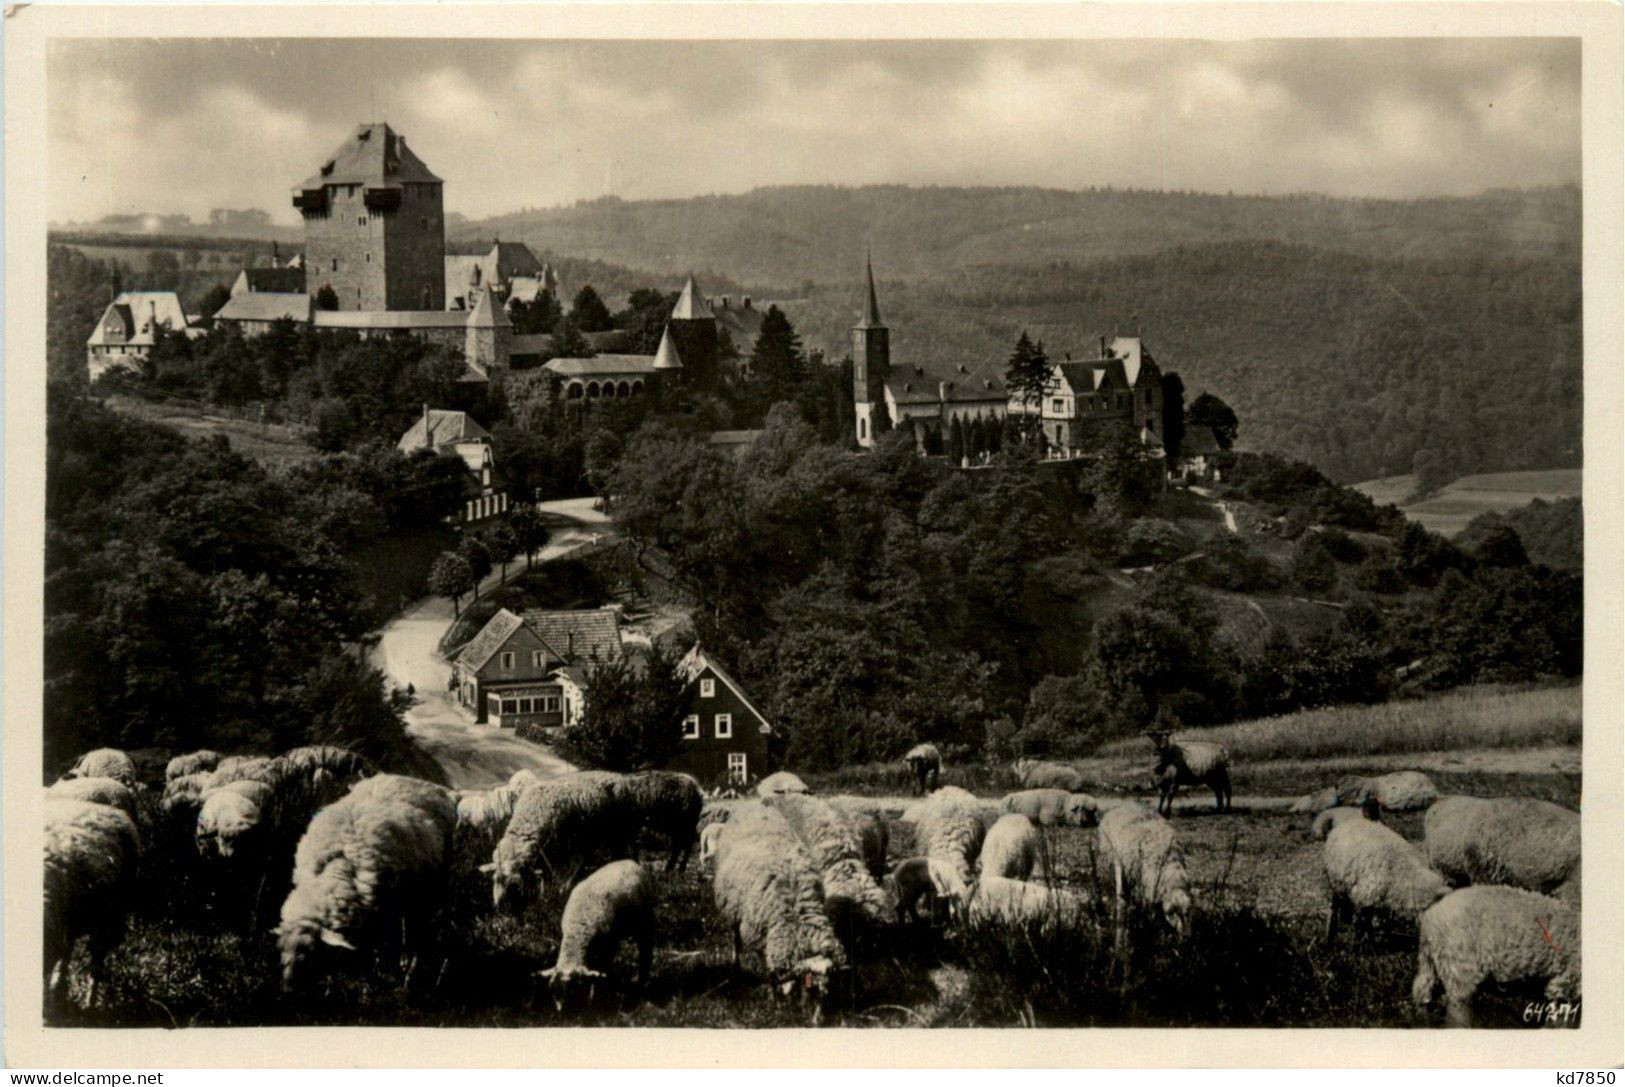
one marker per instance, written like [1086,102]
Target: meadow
[1448,511]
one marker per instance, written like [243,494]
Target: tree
[1209,411]
[529,530]
[213,298]
[1173,415]
[539,316]
[1501,547]
[777,358]
[956,443]
[589,312]
[569,343]
[478,557]
[327,298]
[1027,372]
[451,576]
[630,720]
[503,544]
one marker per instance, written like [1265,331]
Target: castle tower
[693,332]
[871,362]
[374,225]
[668,369]
[488,334]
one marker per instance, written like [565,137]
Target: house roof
[578,636]
[610,339]
[483,646]
[272,280]
[537,343]
[691,304]
[134,312]
[1199,441]
[488,312]
[505,263]
[265,306]
[666,356]
[742,325]
[373,155]
[390,319]
[697,660]
[444,428]
[956,382]
[602,365]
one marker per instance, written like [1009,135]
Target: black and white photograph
[813,530]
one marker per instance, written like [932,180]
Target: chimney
[724,301]
[1103,347]
[569,645]
[747,301]
[428,441]
[1069,356]
[942,389]
[919,371]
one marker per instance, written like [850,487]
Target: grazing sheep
[1406,790]
[433,799]
[1316,802]
[338,761]
[1009,901]
[1517,841]
[870,826]
[557,826]
[949,827]
[850,891]
[1502,934]
[366,874]
[523,779]
[1011,848]
[104,762]
[1332,817]
[109,791]
[1051,807]
[233,816]
[925,877]
[781,782]
[92,853]
[669,804]
[482,818]
[1051,775]
[767,888]
[1194,762]
[198,762]
[1147,861]
[614,904]
[924,762]
[1370,869]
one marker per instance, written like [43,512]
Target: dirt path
[1229,515]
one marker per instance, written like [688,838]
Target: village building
[455,433]
[1197,451]
[509,268]
[724,733]
[277,279]
[511,672]
[131,324]
[1084,400]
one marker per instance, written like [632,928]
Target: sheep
[850,891]
[919,877]
[109,791]
[1517,841]
[612,905]
[104,762]
[340,762]
[433,799]
[1316,802]
[1405,790]
[1147,862]
[366,872]
[92,853]
[1050,775]
[556,826]
[1051,807]
[767,888]
[198,762]
[1195,762]
[523,779]
[1505,934]
[233,815]
[669,804]
[870,826]
[949,828]
[1370,869]
[924,762]
[1008,901]
[482,818]
[1011,848]
[710,841]
[1332,817]
[781,782]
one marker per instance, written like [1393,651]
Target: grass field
[271,445]
[1458,503]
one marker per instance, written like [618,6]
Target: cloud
[188,125]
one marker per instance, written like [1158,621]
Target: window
[507,660]
[335,264]
[708,688]
[527,705]
[1056,406]
[369,258]
[538,657]
[725,726]
[863,429]
[691,727]
[550,703]
[736,767]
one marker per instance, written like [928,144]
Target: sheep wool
[710,841]
[432,799]
[838,852]
[1517,841]
[1194,762]
[781,782]
[109,791]
[924,764]
[1146,860]
[1331,817]
[1371,868]
[1003,900]
[1316,802]
[1406,790]
[556,826]
[233,816]
[1501,934]
[614,904]
[915,878]
[1052,775]
[669,804]
[1045,807]
[198,762]
[949,827]
[1011,848]
[92,853]
[104,762]
[874,837]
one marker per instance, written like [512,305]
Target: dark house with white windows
[724,734]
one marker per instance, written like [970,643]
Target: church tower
[374,226]
[871,362]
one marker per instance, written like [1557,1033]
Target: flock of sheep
[365,862]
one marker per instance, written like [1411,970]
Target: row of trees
[520,531]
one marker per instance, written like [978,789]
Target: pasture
[1448,511]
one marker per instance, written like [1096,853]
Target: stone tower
[693,332]
[871,362]
[375,230]
[488,334]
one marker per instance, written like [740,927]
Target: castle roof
[286,280]
[488,312]
[388,319]
[375,156]
[530,343]
[947,382]
[742,323]
[602,366]
[1199,441]
[265,306]
[871,304]
[438,428]
[691,304]
[666,356]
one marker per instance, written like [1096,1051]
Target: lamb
[1517,841]
[556,826]
[614,904]
[1332,817]
[870,826]
[767,888]
[1505,934]
[850,891]
[781,782]
[949,828]
[92,852]
[1370,869]
[109,791]
[920,877]
[1051,807]
[1011,848]
[104,762]
[1147,862]
[198,762]
[1406,790]
[1195,762]
[1015,901]
[1051,775]
[366,873]
[924,762]
[669,804]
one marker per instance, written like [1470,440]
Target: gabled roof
[374,156]
[1081,377]
[135,312]
[390,319]
[964,382]
[1199,441]
[666,356]
[537,343]
[444,428]
[492,637]
[742,325]
[488,312]
[602,365]
[265,306]
[272,280]
[691,304]
[578,636]
[697,660]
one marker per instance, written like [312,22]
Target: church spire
[871,304]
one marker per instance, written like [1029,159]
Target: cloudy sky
[190,125]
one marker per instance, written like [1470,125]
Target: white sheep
[949,827]
[1517,841]
[366,874]
[1502,934]
[1050,775]
[614,904]
[436,800]
[850,891]
[781,782]
[1372,870]
[1311,803]
[1011,848]
[1194,762]
[1051,807]
[1009,901]
[1403,790]
[557,826]
[108,791]
[1332,817]
[198,762]
[482,818]
[235,816]
[1147,862]
[924,764]
[668,804]
[710,841]
[937,881]
[92,853]
[870,825]
[767,888]
[104,762]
